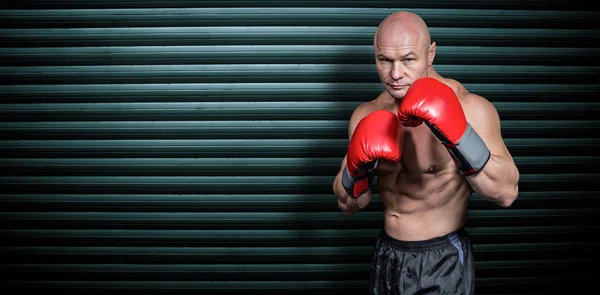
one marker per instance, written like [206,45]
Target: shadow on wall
[339,244]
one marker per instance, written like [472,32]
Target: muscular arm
[359,113]
[347,204]
[498,180]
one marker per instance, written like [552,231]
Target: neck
[389,102]
[431,73]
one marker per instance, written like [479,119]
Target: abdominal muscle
[424,196]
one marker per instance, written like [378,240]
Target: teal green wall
[181,147]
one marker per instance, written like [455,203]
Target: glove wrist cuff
[348,181]
[355,186]
[470,153]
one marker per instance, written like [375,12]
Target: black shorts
[442,265]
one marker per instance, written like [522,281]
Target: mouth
[398,87]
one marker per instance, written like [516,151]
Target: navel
[431,169]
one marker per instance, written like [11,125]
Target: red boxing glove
[377,136]
[429,100]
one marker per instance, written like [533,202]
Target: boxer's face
[401,58]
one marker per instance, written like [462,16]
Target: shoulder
[381,102]
[455,85]
[361,111]
[478,109]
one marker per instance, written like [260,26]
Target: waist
[434,243]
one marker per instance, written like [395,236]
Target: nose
[397,71]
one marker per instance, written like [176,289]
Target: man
[431,144]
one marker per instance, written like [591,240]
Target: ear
[431,54]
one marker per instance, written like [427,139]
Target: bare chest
[422,153]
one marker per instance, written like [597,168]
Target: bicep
[357,115]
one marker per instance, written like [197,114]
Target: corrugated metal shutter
[178,145]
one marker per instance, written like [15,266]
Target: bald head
[403,51]
[402,28]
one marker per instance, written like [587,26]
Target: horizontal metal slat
[282,110]
[189,286]
[174,129]
[186,255]
[275,238]
[496,286]
[289,129]
[251,148]
[253,221]
[253,255]
[176,203]
[244,92]
[293,35]
[464,4]
[281,73]
[275,220]
[187,238]
[187,111]
[187,272]
[186,147]
[257,202]
[269,272]
[280,54]
[559,284]
[292,16]
[233,166]
[236,184]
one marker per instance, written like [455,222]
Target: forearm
[337,182]
[497,181]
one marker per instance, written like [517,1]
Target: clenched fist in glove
[377,136]
[429,100]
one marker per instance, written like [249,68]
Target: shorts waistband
[424,245]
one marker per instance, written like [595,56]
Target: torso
[424,195]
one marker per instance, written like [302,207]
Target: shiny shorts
[442,265]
